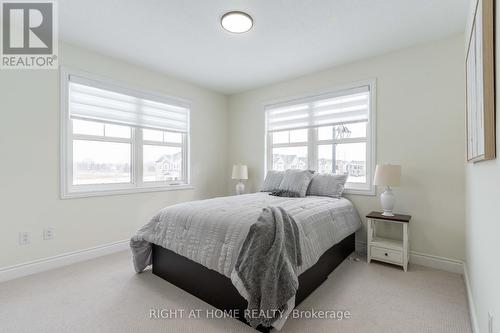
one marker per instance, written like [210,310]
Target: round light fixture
[236,22]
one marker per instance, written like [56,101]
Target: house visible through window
[118,140]
[330,133]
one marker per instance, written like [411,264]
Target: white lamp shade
[240,171]
[387,175]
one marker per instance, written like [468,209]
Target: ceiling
[290,38]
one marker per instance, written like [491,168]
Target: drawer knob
[386,254]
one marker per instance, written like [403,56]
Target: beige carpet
[104,295]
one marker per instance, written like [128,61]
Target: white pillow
[327,185]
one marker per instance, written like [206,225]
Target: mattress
[211,232]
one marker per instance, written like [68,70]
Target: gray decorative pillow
[272,181]
[327,185]
[295,183]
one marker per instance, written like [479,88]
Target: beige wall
[420,124]
[483,225]
[29,168]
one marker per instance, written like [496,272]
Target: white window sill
[97,193]
[367,192]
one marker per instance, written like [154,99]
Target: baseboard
[442,263]
[470,299]
[427,260]
[40,265]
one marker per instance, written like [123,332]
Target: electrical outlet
[490,322]
[24,238]
[48,233]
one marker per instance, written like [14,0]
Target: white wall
[420,124]
[483,224]
[420,104]
[29,168]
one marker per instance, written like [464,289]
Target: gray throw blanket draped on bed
[265,273]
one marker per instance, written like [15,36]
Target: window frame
[140,161]
[367,188]
[136,185]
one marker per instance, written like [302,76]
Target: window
[329,133]
[116,140]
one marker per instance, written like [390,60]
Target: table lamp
[240,172]
[387,175]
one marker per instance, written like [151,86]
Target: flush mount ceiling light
[236,22]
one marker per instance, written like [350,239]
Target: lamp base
[240,188]
[387,200]
[388,214]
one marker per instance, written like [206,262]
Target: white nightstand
[393,251]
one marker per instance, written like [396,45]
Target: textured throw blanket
[265,273]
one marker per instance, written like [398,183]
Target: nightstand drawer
[383,254]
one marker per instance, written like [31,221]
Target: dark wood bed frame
[217,289]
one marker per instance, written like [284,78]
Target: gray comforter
[211,232]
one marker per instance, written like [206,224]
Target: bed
[195,245]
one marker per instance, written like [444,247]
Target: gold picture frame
[480,84]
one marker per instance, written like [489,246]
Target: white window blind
[93,101]
[328,132]
[342,107]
